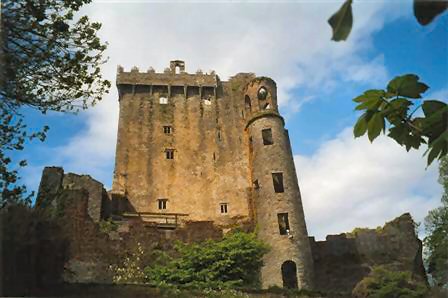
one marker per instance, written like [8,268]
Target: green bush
[231,262]
[383,283]
[107,226]
[130,269]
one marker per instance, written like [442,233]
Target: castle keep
[193,148]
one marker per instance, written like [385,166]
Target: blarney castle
[197,157]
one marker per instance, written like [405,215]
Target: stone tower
[194,148]
[277,202]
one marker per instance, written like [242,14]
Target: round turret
[278,208]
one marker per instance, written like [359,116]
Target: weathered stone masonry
[192,146]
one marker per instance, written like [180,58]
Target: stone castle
[193,148]
[196,157]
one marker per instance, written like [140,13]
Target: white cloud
[352,183]
[288,41]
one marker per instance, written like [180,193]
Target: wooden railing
[161,220]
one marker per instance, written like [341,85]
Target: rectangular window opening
[267,136]
[163,100]
[224,207]
[283,223]
[277,179]
[169,153]
[167,130]
[162,203]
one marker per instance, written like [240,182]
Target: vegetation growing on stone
[384,283]
[229,263]
[107,226]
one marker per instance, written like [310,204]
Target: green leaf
[407,85]
[438,148]
[429,107]
[399,133]
[375,126]
[426,10]
[342,21]
[371,104]
[360,126]
[436,121]
[370,94]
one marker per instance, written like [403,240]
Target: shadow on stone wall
[343,260]
[33,251]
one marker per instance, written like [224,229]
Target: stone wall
[343,260]
[54,180]
[210,165]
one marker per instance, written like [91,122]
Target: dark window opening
[162,203]
[262,93]
[169,153]
[223,207]
[283,223]
[289,275]
[177,91]
[167,130]
[247,103]
[267,136]
[256,184]
[219,135]
[277,179]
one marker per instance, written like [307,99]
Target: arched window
[289,275]
[247,103]
[262,96]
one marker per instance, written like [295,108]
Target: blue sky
[344,182]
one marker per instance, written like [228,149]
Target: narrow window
[256,184]
[162,203]
[277,179]
[283,223]
[169,153]
[223,207]
[247,103]
[167,130]
[267,136]
[163,100]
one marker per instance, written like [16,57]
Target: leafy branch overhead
[393,110]
[49,61]
[342,21]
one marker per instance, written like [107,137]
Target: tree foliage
[425,11]
[384,283]
[48,61]
[436,226]
[390,110]
[231,262]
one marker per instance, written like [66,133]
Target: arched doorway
[289,275]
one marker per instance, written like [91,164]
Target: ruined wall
[343,260]
[210,164]
[54,180]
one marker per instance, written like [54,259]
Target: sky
[345,182]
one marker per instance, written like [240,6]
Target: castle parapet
[175,75]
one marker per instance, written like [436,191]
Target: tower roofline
[168,77]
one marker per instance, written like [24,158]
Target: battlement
[174,75]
